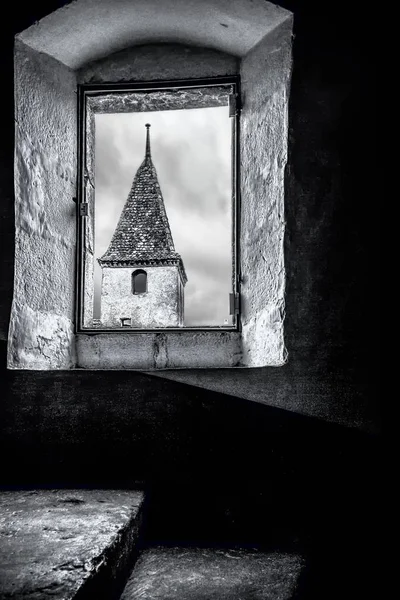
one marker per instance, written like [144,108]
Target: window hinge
[234,303]
[83,209]
[234,105]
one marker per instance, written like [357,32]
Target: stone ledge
[163,573]
[67,544]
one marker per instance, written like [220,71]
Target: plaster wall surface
[158,307]
[265,76]
[41,324]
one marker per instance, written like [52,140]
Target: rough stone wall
[158,307]
[41,325]
[265,76]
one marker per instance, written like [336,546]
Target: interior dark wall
[331,177]
[220,465]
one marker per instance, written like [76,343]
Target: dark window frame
[90,90]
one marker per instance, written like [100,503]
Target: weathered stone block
[60,543]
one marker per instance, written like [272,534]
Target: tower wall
[160,306]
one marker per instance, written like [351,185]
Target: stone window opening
[139,282]
[157,231]
[55,56]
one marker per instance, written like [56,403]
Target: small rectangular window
[158,206]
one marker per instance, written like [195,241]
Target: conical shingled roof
[143,235]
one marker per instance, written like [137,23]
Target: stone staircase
[183,541]
[78,544]
[241,501]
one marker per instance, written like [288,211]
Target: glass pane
[139,283]
[163,203]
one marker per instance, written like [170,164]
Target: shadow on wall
[104,426]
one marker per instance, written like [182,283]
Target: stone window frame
[163,95]
[42,332]
[135,273]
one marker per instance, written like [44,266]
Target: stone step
[67,544]
[178,573]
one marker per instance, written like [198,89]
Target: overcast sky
[191,151]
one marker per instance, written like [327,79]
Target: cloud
[191,150]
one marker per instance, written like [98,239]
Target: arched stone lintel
[87,30]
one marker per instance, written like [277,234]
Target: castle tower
[143,278]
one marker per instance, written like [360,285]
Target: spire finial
[148,155]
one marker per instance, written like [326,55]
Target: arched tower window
[139,282]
